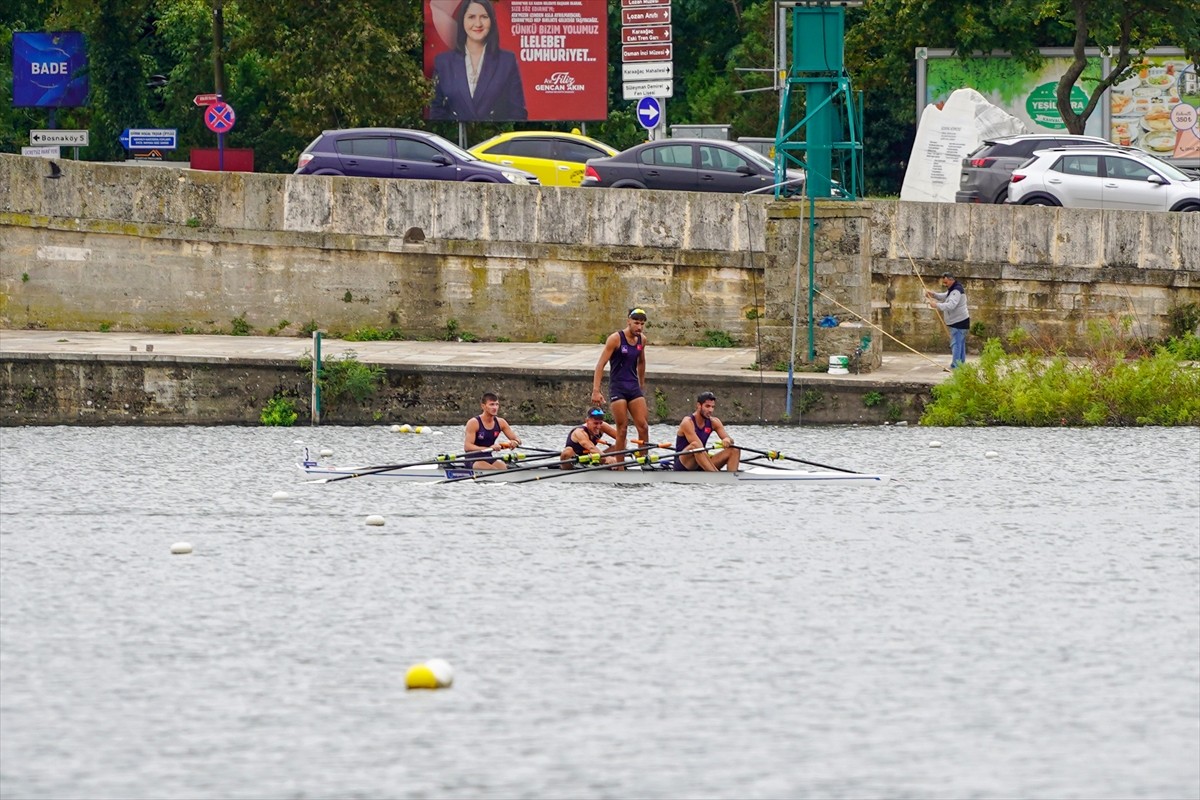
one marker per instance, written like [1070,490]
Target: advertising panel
[1154,109]
[513,60]
[1029,95]
[49,69]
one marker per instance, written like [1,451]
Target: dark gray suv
[987,170]
[400,153]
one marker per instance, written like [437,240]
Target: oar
[495,473]
[441,459]
[774,455]
[623,463]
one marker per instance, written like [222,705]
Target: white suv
[1078,177]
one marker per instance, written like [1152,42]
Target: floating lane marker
[326,452]
[280,496]
[991,454]
[406,428]
[181,549]
[375,519]
[433,674]
[935,444]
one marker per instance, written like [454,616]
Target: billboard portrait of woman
[477,80]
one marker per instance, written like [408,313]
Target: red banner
[513,60]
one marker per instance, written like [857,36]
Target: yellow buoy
[433,674]
[406,428]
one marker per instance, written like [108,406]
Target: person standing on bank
[953,305]
[585,439]
[482,433]
[477,81]
[693,434]
[625,354]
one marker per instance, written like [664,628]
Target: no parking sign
[219,117]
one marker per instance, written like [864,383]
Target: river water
[1021,625]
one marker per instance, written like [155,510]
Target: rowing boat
[631,475]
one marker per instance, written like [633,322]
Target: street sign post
[205,99]
[634,90]
[647,70]
[219,118]
[59,137]
[149,138]
[649,112]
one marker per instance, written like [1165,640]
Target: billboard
[1154,109]
[49,69]
[514,60]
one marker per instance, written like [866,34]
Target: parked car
[696,165]
[985,172]
[1087,177]
[399,153]
[556,158]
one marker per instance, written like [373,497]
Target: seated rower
[693,434]
[482,434]
[584,439]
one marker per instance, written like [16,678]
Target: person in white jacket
[953,305]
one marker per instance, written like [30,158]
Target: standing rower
[625,354]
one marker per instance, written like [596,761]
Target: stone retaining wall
[161,249]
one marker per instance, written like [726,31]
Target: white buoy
[280,496]
[395,429]
[935,444]
[420,429]
[991,454]
[406,428]
[436,433]
[374,519]
[326,452]
[181,549]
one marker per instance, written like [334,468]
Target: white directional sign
[41,152]
[647,70]
[55,136]
[639,89]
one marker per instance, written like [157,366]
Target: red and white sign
[560,50]
[646,52]
[220,118]
[655,15]
[640,3]
[204,99]
[646,34]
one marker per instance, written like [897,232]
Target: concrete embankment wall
[169,250]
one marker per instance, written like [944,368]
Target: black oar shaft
[774,455]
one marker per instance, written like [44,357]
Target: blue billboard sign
[49,69]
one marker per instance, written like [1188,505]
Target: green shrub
[345,377]
[238,326]
[279,411]
[716,339]
[872,399]
[1106,388]
[374,335]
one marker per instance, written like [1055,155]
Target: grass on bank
[1161,386]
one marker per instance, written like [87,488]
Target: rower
[483,432]
[693,434]
[585,439]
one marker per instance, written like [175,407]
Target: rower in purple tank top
[693,433]
[482,435]
[625,354]
[585,439]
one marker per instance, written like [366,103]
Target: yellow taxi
[556,158]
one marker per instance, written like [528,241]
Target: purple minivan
[400,153]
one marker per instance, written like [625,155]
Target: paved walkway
[898,368]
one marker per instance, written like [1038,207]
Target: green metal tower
[826,141]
